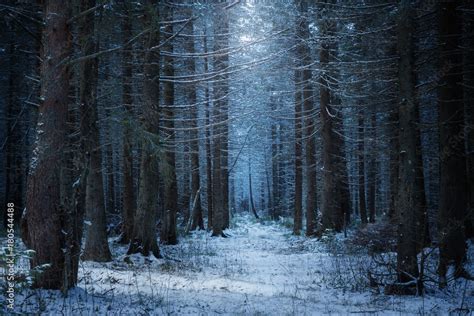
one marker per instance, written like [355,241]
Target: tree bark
[209,167]
[361,159]
[128,209]
[168,234]
[144,230]
[309,122]
[252,204]
[220,220]
[329,209]
[394,163]
[453,197]
[410,196]
[468,88]
[371,170]
[196,216]
[50,223]
[96,246]
[298,212]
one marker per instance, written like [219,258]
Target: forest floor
[261,269]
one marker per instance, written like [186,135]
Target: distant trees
[333,114]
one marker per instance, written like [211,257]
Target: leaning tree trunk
[144,230]
[51,223]
[453,183]
[251,201]
[96,244]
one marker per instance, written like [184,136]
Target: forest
[236,157]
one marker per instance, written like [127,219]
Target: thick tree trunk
[468,88]
[453,198]
[144,230]
[128,208]
[329,209]
[220,219]
[51,223]
[341,217]
[410,196]
[96,244]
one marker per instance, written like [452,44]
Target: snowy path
[259,270]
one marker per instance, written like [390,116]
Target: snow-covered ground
[259,270]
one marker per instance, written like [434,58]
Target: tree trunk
[144,230]
[298,212]
[196,216]
[96,244]
[309,122]
[410,198]
[371,172]
[361,159]
[276,198]
[394,163]
[128,209]
[329,209]
[220,219]
[209,167]
[468,88]
[252,204]
[453,183]
[168,234]
[50,224]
